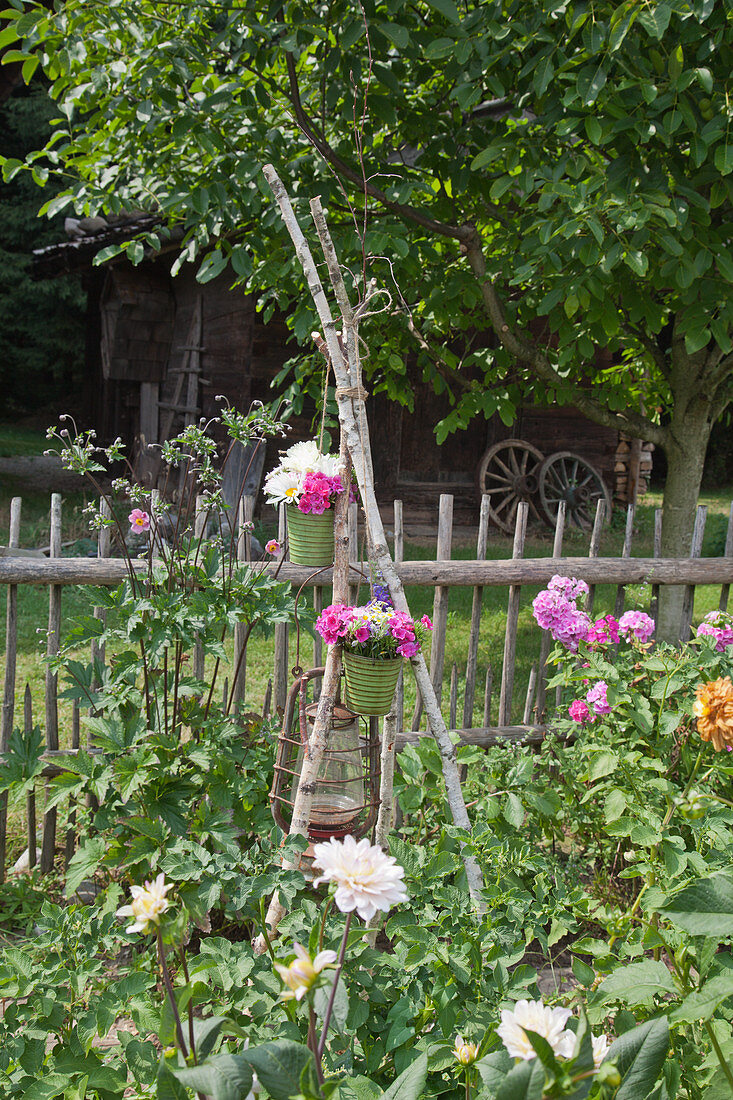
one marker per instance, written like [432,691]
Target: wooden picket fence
[442,574]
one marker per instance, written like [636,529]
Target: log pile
[633,463]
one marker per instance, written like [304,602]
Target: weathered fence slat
[654,603]
[11,655]
[725,588]
[475,631]
[512,618]
[52,648]
[399,554]
[352,531]
[488,684]
[625,553]
[453,711]
[688,599]
[546,640]
[440,606]
[531,683]
[30,800]
[594,547]
[280,671]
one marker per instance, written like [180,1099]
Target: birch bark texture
[343,352]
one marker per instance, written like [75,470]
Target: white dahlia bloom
[327,464]
[366,878]
[301,457]
[303,971]
[534,1016]
[148,904]
[282,486]
[465,1053]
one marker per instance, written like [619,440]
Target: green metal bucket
[310,537]
[370,683]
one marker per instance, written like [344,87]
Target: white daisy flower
[282,486]
[535,1016]
[148,904]
[303,971]
[366,878]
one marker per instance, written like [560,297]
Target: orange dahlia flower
[713,709]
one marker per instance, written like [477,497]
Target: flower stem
[724,1065]
[171,995]
[332,998]
[191,1038]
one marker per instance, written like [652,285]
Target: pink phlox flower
[598,698]
[139,520]
[718,626]
[272,547]
[604,630]
[555,612]
[333,622]
[401,627]
[408,649]
[636,624]
[427,623]
[579,711]
[317,492]
[570,587]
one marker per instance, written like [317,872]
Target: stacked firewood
[632,464]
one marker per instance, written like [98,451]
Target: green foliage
[41,322]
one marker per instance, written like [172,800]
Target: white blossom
[466,1053]
[366,878]
[282,486]
[301,974]
[540,1018]
[600,1049]
[301,457]
[148,904]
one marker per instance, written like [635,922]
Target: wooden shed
[160,349]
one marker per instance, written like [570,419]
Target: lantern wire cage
[346,799]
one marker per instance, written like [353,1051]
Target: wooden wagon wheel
[567,476]
[509,473]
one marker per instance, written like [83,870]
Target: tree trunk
[685,446]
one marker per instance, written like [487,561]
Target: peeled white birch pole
[350,396]
[319,734]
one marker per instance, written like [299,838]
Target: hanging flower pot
[370,682]
[310,536]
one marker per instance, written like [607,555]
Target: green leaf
[84,863]
[702,1003]
[639,1056]
[340,1005]
[525,1082]
[637,261]
[279,1066]
[543,75]
[411,1082]
[724,159]
[446,8]
[591,82]
[513,811]
[704,908]
[224,1077]
[636,983]
[593,129]
[493,1068]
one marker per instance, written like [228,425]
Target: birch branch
[349,395]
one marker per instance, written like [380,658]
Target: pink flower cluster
[636,625]
[318,492]
[594,704]
[333,622]
[555,610]
[374,628]
[603,630]
[718,626]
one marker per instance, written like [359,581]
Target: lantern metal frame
[293,738]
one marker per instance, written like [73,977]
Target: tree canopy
[531,179]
